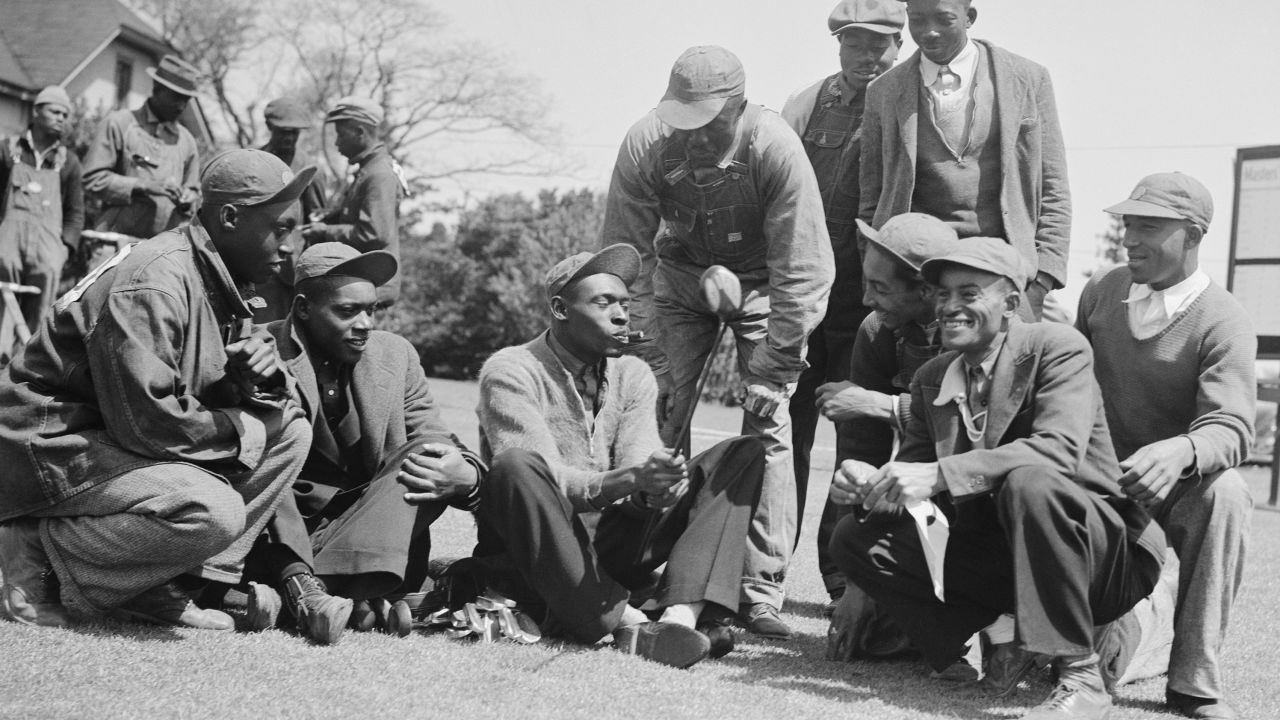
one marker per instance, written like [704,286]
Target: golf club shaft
[681,441]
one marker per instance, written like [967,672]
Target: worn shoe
[1079,695]
[262,607]
[320,616]
[717,624]
[960,671]
[1006,666]
[169,604]
[399,619]
[30,588]
[762,619]
[1199,707]
[663,642]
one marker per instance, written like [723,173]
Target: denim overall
[31,249]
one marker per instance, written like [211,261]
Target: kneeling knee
[220,513]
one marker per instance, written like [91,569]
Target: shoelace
[1060,696]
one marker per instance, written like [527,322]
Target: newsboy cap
[1169,195]
[993,255]
[333,259]
[882,16]
[357,109]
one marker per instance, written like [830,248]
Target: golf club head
[721,291]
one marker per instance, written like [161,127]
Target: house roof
[42,42]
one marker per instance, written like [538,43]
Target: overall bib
[31,249]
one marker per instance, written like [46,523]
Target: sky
[1142,86]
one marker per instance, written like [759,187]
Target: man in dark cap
[146,434]
[382,466]
[143,165]
[41,204]
[727,183]
[368,216]
[1023,477]
[827,116]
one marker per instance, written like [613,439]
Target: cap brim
[931,270]
[689,114]
[290,192]
[882,29]
[290,124]
[376,266]
[178,89]
[873,236]
[1143,208]
[621,260]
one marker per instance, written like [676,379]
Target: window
[124,81]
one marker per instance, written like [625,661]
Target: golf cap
[882,16]
[1169,195]
[176,74]
[335,259]
[912,238]
[621,260]
[993,255]
[356,109]
[702,81]
[54,95]
[286,113]
[251,177]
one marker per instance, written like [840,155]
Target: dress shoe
[762,619]
[399,619]
[1079,695]
[320,616]
[169,604]
[262,607]
[663,642]
[1198,707]
[30,589]
[717,624]
[960,671]
[1006,666]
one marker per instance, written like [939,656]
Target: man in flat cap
[968,132]
[827,116]
[143,165]
[1024,478]
[1175,359]
[146,434]
[567,422]
[382,467]
[727,183]
[41,204]
[368,216]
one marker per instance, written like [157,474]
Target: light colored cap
[882,16]
[702,81]
[54,95]
[176,74]
[912,238]
[993,255]
[1169,195]
[357,109]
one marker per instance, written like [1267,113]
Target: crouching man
[146,437]
[572,430]
[382,465]
[1006,435]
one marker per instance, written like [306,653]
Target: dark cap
[912,238]
[621,260]
[882,16]
[356,109]
[993,255]
[702,81]
[176,74]
[251,177]
[286,113]
[1169,195]
[335,259]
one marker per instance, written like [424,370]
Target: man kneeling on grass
[350,528]
[572,431]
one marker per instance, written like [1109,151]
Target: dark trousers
[1057,556]
[702,538]
[362,545]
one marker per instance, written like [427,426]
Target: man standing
[968,132]
[728,183]
[569,424]
[1023,477]
[368,217]
[1175,359]
[146,436]
[828,118]
[143,164]
[41,204]
[350,526]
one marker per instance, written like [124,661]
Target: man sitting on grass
[571,429]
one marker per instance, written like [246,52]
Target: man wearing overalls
[709,179]
[41,204]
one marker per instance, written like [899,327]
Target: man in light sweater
[569,428]
[1174,356]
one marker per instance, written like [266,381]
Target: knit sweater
[528,401]
[1194,378]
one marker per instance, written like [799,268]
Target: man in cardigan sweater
[1175,356]
[570,427]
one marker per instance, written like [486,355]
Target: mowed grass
[111,670]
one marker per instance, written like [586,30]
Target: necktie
[948,82]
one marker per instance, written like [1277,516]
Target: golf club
[723,295]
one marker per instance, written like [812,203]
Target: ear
[1012,301]
[301,307]
[228,215]
[972,15]
[559,309]
[1194,236]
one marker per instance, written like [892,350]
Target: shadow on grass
[804,608]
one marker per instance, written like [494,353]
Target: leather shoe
[959,671]
[1198,707]
[30,589]
[1079,695]
[717,624]
[169,604]
[262,607]
[663,642]
[1006,666]
[320,616]
[762,619]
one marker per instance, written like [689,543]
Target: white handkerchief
[934,530]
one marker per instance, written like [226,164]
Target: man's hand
[762,397]
[1149,473]
[666,397]
[313,233]
[438,473]
[902,484]
[160,188]
[840,401]
[849,483]
[848,623]
[253,360]
[663,477]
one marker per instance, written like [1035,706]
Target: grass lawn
[111,670]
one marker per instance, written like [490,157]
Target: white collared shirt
[964,65]
[1151,311]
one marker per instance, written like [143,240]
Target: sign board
[1253,269]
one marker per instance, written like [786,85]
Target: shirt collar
[964,64]
[1174,296]
[955,383]
[367,155]
[843,90]
[571,362]
[727,159]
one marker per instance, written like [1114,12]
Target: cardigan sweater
[528,401]
[1194,378]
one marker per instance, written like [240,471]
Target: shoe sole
[134,615]
[673,645]
[42,619]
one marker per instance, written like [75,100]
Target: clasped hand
[439,472]
[895,484]
[663,478]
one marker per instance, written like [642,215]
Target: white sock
[631,616]
[1001,631]
[685,614]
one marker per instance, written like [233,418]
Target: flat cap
[882,16]
[621,260]
[1169,195]
[54,95]
[286,113]
[702,81]
[912,238]
[251,177]
[993,255]
[334,259]
[357,109]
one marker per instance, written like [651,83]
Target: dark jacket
[368,217]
